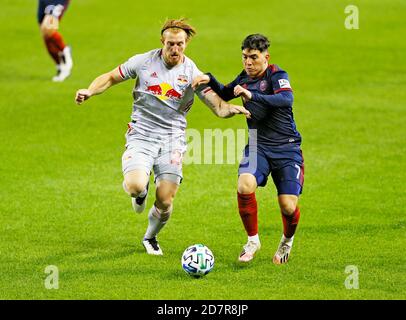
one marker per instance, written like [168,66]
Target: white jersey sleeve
[202,88]
[130,68]
[196,72]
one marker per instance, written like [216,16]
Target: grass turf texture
[61,201]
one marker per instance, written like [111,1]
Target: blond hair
[175,25]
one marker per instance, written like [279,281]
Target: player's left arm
[214,100]
[217,105]
[226,92]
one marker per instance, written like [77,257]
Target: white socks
[254,238]
[288,241]
[157,220]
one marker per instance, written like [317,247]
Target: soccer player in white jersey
[156,136]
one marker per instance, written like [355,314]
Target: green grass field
[61,200]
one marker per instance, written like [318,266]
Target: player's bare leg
[290,217]
[136,185]
[159,214]
[248,209]
[56,47]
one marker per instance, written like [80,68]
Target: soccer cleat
[65,67]
[249,251]
[282,254]
[62,73]
[139,203]
[152,246]
[58,72]
[67,57]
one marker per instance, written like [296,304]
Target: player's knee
[49,25]
[247,186]
[164,203]
[135,187]
[165,193]
[288,207]
[47,32]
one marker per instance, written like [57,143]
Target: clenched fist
[82,95]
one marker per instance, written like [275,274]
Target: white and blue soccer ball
[197,260]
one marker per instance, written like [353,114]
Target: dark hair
[256,42]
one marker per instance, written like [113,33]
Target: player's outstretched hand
[82,95]
[240,91]
[202,79]
[239,109]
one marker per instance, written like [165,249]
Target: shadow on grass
[236,265]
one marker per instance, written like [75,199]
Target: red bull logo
[164,91]
[182,80]
[173,94]
[155,90]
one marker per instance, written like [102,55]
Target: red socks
[55,45]
[290,223]
[247,205]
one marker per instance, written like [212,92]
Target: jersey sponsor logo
[284,83]
[164,91]
[263,85]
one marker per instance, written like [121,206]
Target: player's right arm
[99,85]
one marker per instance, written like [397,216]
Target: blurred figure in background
[50,12]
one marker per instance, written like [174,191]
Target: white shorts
[161,154]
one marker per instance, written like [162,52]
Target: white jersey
[162,96]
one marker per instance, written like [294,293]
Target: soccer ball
[197,260]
